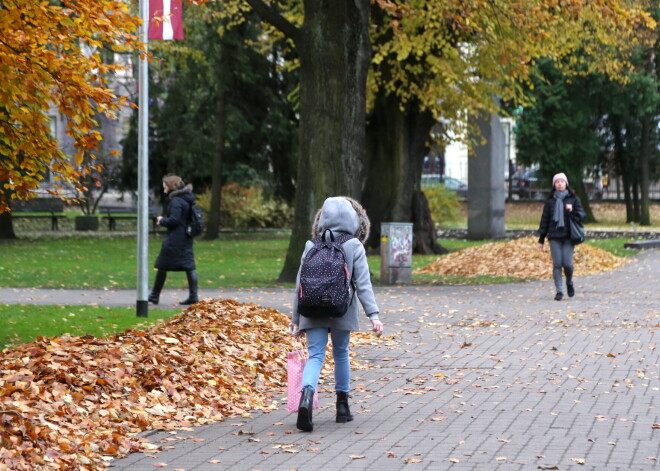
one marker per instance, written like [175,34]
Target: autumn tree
[447,60]
[220,110]
[577,121]
[51,59]
[333,46]
[433,60]
[561,130]
[630,136]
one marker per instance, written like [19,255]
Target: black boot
[154,296]
[305,410]
[343,412]
[192,288]
[570,289]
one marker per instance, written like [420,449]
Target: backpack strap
[340,239]
[332,236]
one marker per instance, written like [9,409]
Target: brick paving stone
[493,377]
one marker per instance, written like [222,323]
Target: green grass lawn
[25,322]
[230,262]
[96,263]
[81,262]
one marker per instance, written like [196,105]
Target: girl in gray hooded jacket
[341,215]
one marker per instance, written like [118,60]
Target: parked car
[451,183]
[454,184]
[525,184]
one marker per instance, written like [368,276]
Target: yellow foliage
[453,56]
[49,57]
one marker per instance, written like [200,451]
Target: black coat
[548,226]
[176,253]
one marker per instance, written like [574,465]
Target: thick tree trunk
[6,226]
[6,222]
[213,226]
[425,239]
[397,141]
[335,53]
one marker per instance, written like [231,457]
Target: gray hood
[342,214]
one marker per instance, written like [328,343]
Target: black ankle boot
[570,289]
[192,289]
[305,410]
[343,412]
[559,296]
[154,296]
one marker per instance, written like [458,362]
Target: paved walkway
[495,377]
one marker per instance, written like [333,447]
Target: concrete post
[486,182]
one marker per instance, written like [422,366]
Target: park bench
[115,213]
[40,208]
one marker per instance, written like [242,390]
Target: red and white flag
[165,19]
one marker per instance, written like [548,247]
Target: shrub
[248,208]
[443,202]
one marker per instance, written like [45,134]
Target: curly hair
[362,233]
[173,182]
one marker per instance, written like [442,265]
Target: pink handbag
[295,364]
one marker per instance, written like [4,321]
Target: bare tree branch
[271,15]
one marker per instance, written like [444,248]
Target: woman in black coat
[562,204]
[176,253]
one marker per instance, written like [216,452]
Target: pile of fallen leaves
[73,402]
[519,258]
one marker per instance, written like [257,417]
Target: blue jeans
[317,340]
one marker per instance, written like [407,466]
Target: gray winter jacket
[343,215]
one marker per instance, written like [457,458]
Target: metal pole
[142,305]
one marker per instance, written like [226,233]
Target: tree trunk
[6,226]
[6,221]
[396,146]
[285,152]
[636,201]
[213,226]
[335,54]
[584,198]
[627,196]
[425,238]
[644,213]
[622,166]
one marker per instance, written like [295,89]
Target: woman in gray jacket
[341,215]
